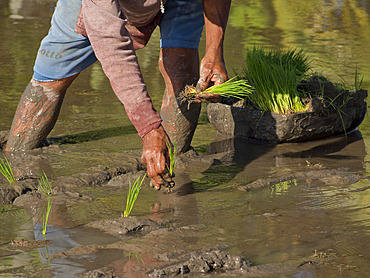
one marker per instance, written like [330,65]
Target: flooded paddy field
[239,208]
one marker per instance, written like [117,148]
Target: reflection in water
[349,151]
[283,220]
[181,205]
[334,33]
[15,6]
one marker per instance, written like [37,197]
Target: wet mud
[27,244]
[155,246]
[323,176]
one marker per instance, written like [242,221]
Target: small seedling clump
[6,170]
[275,76]
[46,189]
[172,154]
[133,192]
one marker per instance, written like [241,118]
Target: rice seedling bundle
[234,87]
[172,154]
[275,76]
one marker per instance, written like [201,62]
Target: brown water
[302,216]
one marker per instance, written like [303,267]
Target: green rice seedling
[172,154]
[6,170]
[295,58]
[234,87]
[275,76]
[46,188]
[343,85]
[340,113]
[133,192]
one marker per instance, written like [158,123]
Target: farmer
[84,31]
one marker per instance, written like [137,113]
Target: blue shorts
[64,53]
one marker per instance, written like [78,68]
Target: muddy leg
[36,114]
[179,66]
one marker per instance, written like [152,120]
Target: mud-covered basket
[320,120]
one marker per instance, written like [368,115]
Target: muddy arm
[105,27]
[212,69]
[112,44]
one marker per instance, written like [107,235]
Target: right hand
[155,157]
[212,70]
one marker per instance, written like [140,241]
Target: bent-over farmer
[84,31]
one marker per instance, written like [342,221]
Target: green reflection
[283,187]
[335,33]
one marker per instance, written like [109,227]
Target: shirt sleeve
[105,23]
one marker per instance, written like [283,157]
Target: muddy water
[310,204]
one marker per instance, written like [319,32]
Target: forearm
[212,67]
[113,48]
[216,13]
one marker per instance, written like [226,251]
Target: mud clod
[104,272]
[125,225]
[326,176]
[28,244]
[10,192]
[203,262]
[3,138]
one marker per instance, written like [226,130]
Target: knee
[58,86]
[182,63]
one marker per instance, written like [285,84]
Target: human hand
[155,157]
[212,70]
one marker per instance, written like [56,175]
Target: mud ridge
[125,225]
[325,176]
[204,262]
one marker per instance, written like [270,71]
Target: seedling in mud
[172,154]
[6,170]
[234,87]
[46,188]
[133,192]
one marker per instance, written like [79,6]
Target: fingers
[157,171]
[218,79]
[204,77]
[158,181]
[211,97]
[201,85]
[156,158]
[155,178]
[205,97]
